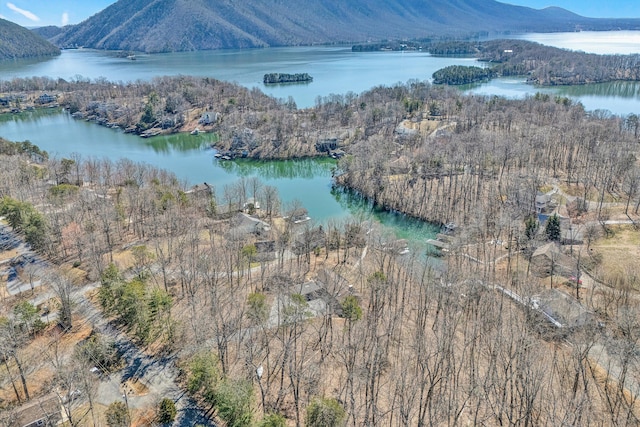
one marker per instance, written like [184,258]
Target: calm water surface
[601,42]
[619,98]
[188,156]
[308,182]
[335,70]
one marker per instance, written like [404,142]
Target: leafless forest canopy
[396,342]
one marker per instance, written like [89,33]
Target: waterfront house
[299,216]
[246,224]
[326,145]
[200,190]
[337,154]
[208,118]
[251,205]
[542,202]
[46,99]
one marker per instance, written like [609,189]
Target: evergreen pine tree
[552,229]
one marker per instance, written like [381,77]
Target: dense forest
[18,42]
[405,346]
[429,126]
[552,66]
[493,154]
[461,75]
[246,120]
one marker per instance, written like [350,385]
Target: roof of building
[548,250]
[45,410]
[246,223]
[563,308]
[549,259]
[199,188]
[543,198]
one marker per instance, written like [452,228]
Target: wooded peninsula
[542,65]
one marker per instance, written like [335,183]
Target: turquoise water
[308,181]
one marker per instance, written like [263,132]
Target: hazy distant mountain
[18,42]
[182,25]
[49,31]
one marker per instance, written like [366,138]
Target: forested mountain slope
[183,25]
[18,42]
[50,31]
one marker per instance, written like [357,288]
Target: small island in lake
[276,78]
[460,75]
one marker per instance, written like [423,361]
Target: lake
[335,70]
[190,157]
[619,98]
[601,42]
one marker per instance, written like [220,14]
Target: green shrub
[325,413]
[273,420]
[233,402]
[117,415]
[167,411]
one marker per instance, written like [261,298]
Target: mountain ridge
[185,25]
[17,42]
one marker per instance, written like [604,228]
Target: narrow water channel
[308,181]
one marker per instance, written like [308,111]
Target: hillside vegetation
[181,25]
[49,31]
[302,319]
[18,42]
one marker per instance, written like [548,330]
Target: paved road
[25,259]
[159,375]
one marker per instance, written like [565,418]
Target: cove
[190,158]
[620,98]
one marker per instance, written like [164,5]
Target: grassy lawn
[620,252]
